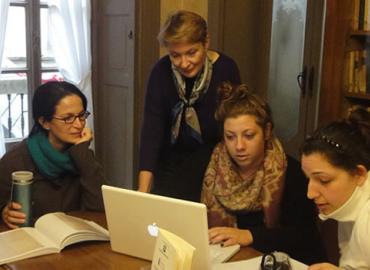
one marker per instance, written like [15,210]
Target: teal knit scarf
[50,162]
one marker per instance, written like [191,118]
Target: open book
[52,232]
[171,252]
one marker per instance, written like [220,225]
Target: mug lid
[22,176]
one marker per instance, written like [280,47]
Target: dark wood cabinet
[339,39]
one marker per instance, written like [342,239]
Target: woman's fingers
[12,216]
[86,135]
[216,235]
[230,236]
[224,235]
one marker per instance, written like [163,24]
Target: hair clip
[330,141]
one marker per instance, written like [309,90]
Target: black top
[298,233]
[162,96]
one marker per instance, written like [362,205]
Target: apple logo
[153,229]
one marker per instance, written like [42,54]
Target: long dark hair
[47,97]
[346,143]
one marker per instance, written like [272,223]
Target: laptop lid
[130,215]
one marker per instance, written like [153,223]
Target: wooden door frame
[337,28]
[147,25]
[147,18]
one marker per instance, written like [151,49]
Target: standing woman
[66,176]
[179,130]
[337,161]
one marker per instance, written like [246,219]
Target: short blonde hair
[183,26]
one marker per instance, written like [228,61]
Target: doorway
[294,69]
[282,42]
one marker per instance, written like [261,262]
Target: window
[27,62]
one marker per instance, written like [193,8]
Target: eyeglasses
[275,261]
[82,116]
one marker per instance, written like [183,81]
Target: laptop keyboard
[220,254]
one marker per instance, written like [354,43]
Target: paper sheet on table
[254,264]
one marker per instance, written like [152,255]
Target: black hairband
[325,139]
[328,140]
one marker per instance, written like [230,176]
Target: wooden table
[95,255]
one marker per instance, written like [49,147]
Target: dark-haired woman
[66,175]
[336,158]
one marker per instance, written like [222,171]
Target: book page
[63,229]
[165,255]
[23,243]
[171,252]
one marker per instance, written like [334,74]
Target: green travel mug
[22,192]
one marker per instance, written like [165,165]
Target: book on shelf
[350,63]
[357,70]
[367,16]
[171,252]
[362,72]
[355,14]
[52,232]
[361,15]
[367,64]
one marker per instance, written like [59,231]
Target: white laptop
[131,213]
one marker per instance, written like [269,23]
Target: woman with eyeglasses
[66,176]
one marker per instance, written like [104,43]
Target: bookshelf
[341,36]
[360,34]
[356,85]
[356,96]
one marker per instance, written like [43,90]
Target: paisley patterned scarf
[184,108]
[224,190]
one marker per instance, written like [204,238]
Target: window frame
[33,68]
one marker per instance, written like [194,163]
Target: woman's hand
[228,236]
[145,181]
[323,266]
[12,216]
[86,135]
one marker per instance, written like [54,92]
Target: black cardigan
[298,234]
